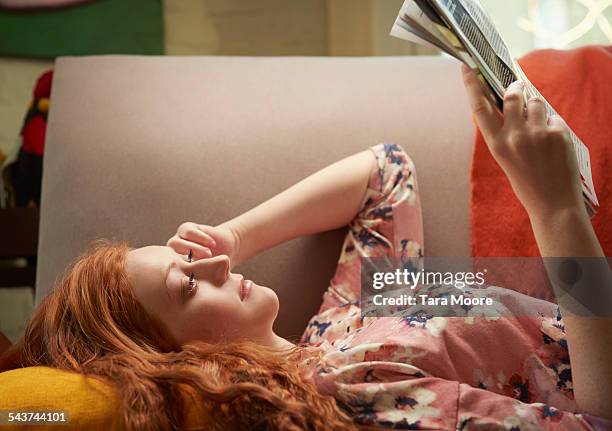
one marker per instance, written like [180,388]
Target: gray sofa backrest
[137,145]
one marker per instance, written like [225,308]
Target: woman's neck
[279,342]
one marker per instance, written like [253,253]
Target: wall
[361,27]
[239,27]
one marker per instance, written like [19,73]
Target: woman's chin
[267,300]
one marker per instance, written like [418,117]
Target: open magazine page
[465,27]
[414,16]
[471,35]
[485,24]
[408,30]
[422,12]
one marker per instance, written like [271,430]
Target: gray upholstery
[137,145]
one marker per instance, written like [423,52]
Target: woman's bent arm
[327,199]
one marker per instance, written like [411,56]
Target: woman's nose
[214,269]
[224,267]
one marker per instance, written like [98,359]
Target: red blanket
[578,84]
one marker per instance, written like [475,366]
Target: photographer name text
[453,299]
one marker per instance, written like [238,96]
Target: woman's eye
[190,286]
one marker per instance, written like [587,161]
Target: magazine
[464,30]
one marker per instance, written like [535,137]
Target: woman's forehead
[162,252]
[153,250]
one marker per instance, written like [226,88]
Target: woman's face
[216,309]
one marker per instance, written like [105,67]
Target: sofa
[137,145]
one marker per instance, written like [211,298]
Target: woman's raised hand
[535,152]
[205,241]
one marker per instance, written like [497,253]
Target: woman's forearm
[565,233]
[327,199]
[570,234]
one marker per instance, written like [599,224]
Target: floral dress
[430,373]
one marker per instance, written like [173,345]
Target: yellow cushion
[90,403]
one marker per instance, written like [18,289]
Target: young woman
[165,321]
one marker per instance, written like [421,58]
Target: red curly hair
[92,324]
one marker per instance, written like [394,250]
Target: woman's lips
[245,289]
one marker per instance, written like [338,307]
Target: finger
[485,114]
[197,235]
[205,228]
[558,123]
[182,246]
[536,112]
[514,105]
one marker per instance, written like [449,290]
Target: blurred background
[34,32]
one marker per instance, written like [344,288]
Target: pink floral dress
[430,373]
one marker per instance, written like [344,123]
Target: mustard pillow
[90,404]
